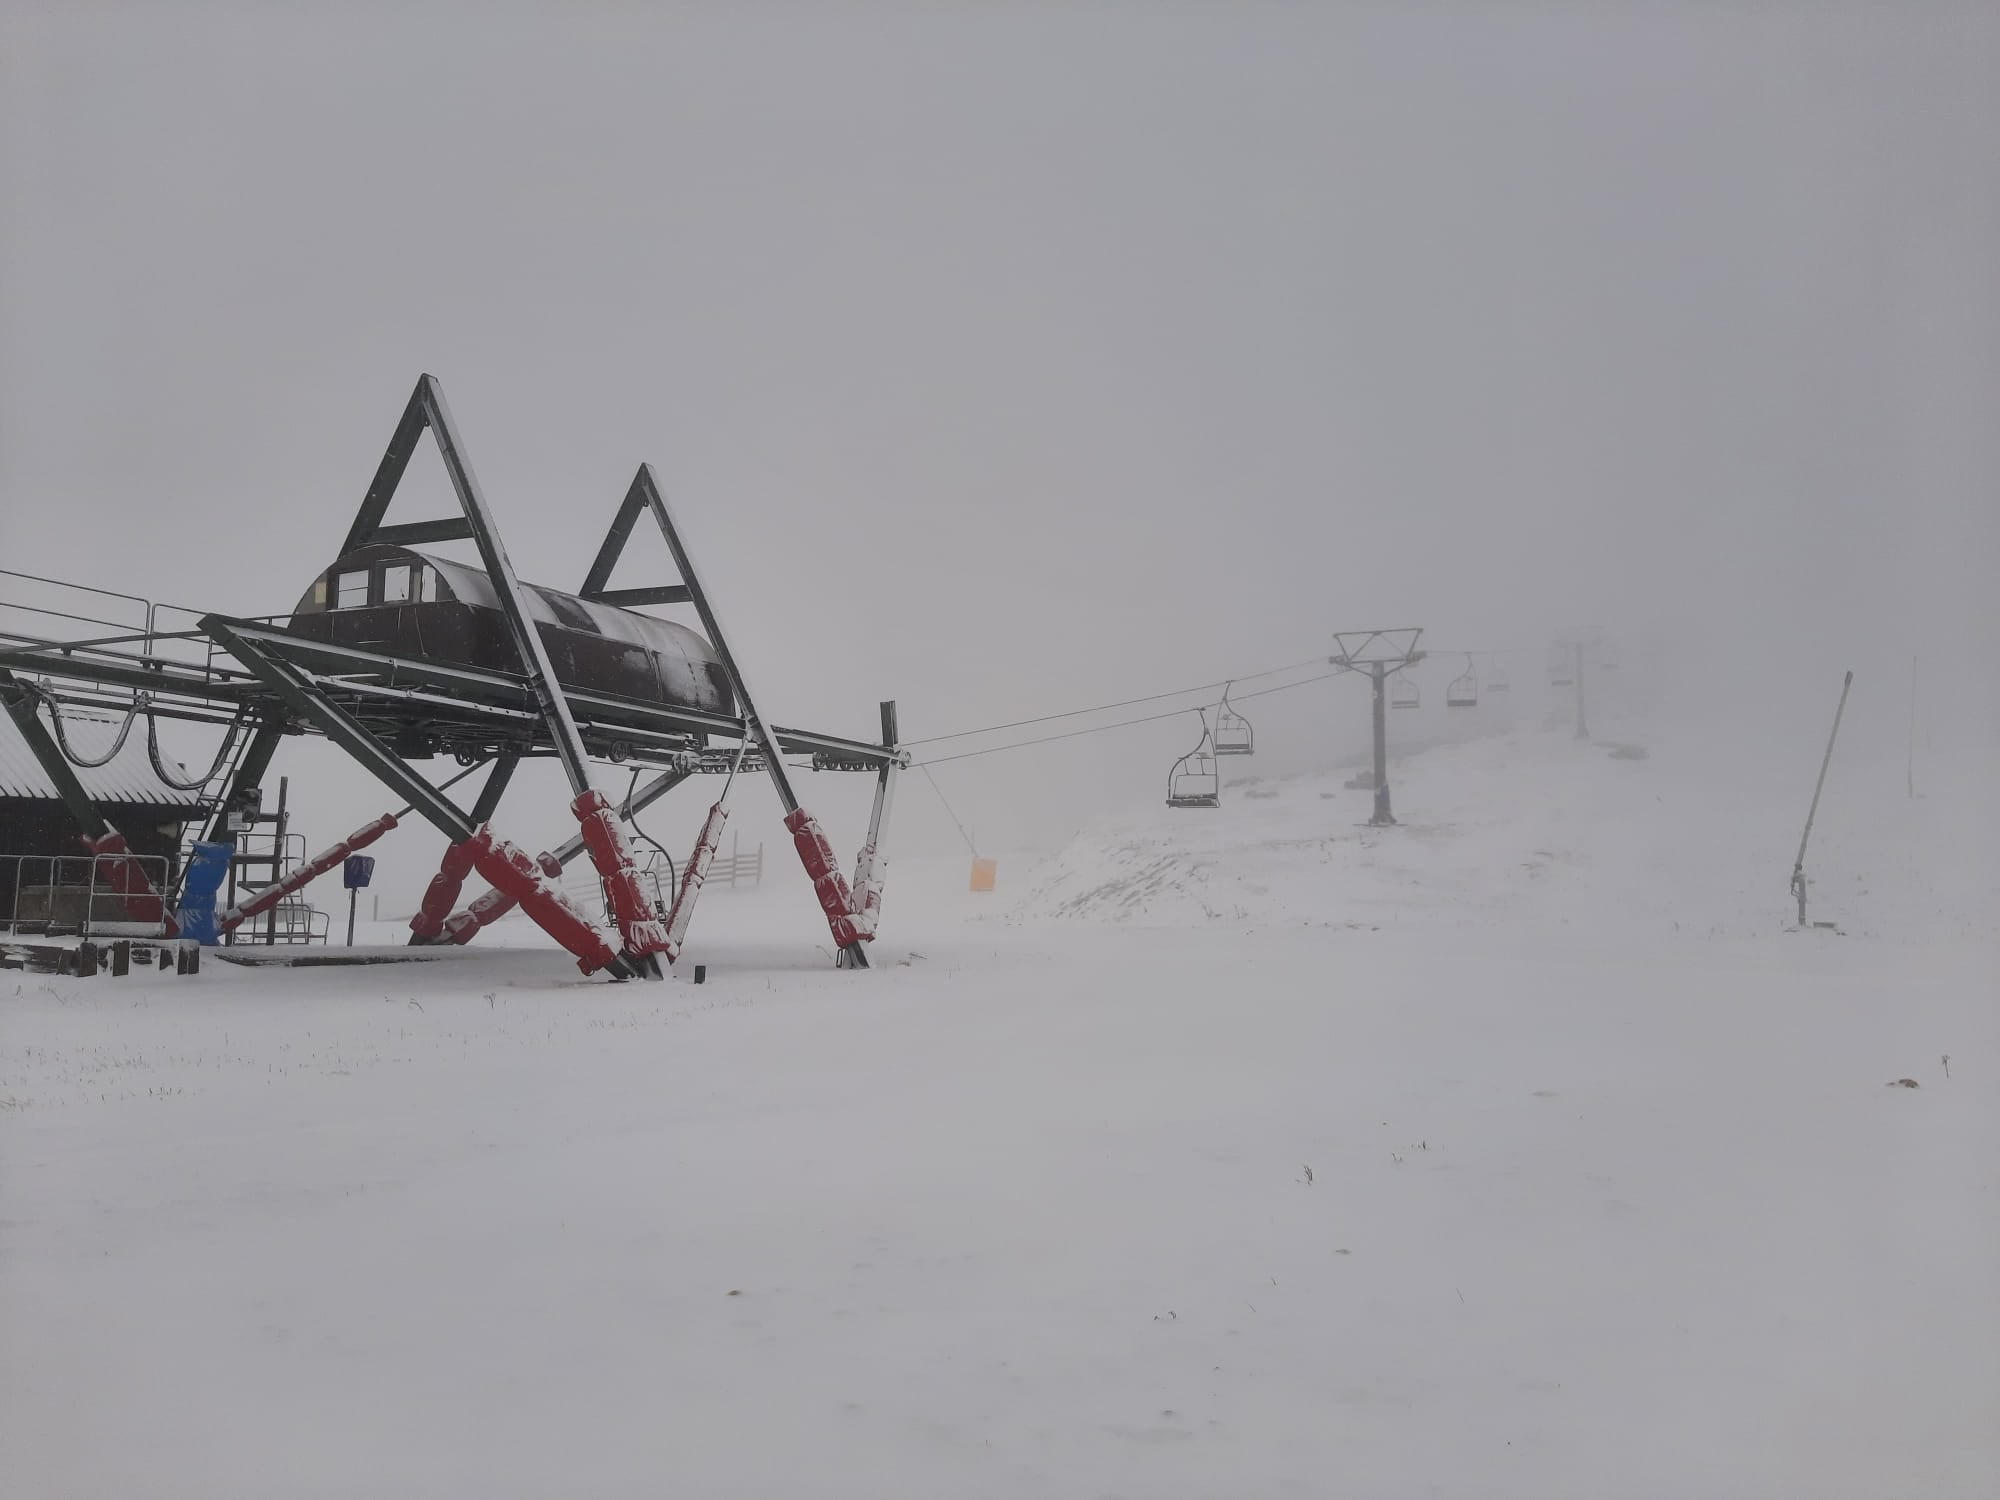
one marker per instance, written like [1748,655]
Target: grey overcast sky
[1009,357]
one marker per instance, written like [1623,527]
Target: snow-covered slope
[1515,1152]
[1535,829]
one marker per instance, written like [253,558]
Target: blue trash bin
[207,869]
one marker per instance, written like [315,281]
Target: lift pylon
[1377,653]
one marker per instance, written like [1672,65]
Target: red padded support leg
[829,885]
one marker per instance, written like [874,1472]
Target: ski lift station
[398,656]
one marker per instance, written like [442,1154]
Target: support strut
[871,867]
[427,926]
[123,872]
[829,885]
[484,910]
[427,408]
[270,895]
[500,863]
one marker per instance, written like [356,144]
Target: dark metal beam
[495,785]
[608,713]
[645,491]
[20,705]
[548,694]
[411,533]
[249,772]
[56,662]
[666,593]
[308,700]
[389,473]
[613,545]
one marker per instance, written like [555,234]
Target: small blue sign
[357,871]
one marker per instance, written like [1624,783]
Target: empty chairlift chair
[1403,691]
[1463,690]
[1561,673]
[1233,734]
[1192,782]
[1496,677]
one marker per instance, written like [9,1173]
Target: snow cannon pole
[306,873]
[1799,865]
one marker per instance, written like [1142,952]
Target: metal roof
[128,778]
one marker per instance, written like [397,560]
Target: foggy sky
[1007,358]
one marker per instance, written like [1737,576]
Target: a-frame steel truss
[361,699]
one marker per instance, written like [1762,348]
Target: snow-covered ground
[1515,1152]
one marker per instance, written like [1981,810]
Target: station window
[427,584]
[350,590]
[396,584]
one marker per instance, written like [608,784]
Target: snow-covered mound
[1538,829]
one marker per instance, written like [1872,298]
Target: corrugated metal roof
[129,777]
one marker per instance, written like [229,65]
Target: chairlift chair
[1233,734]
[1192,782]
[1463,690]
[1496,677]
[1561,673]
[1404,692]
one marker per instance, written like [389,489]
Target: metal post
[353,896]
[1582,729]
[250,769]
[1799,865]
[1910,764]
[277,857]
[1379,676]
[1377,653]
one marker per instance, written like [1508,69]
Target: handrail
[63,614]
[88,588]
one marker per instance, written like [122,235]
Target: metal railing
[736,868]
[150,633]
[75,895]
[292,921]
